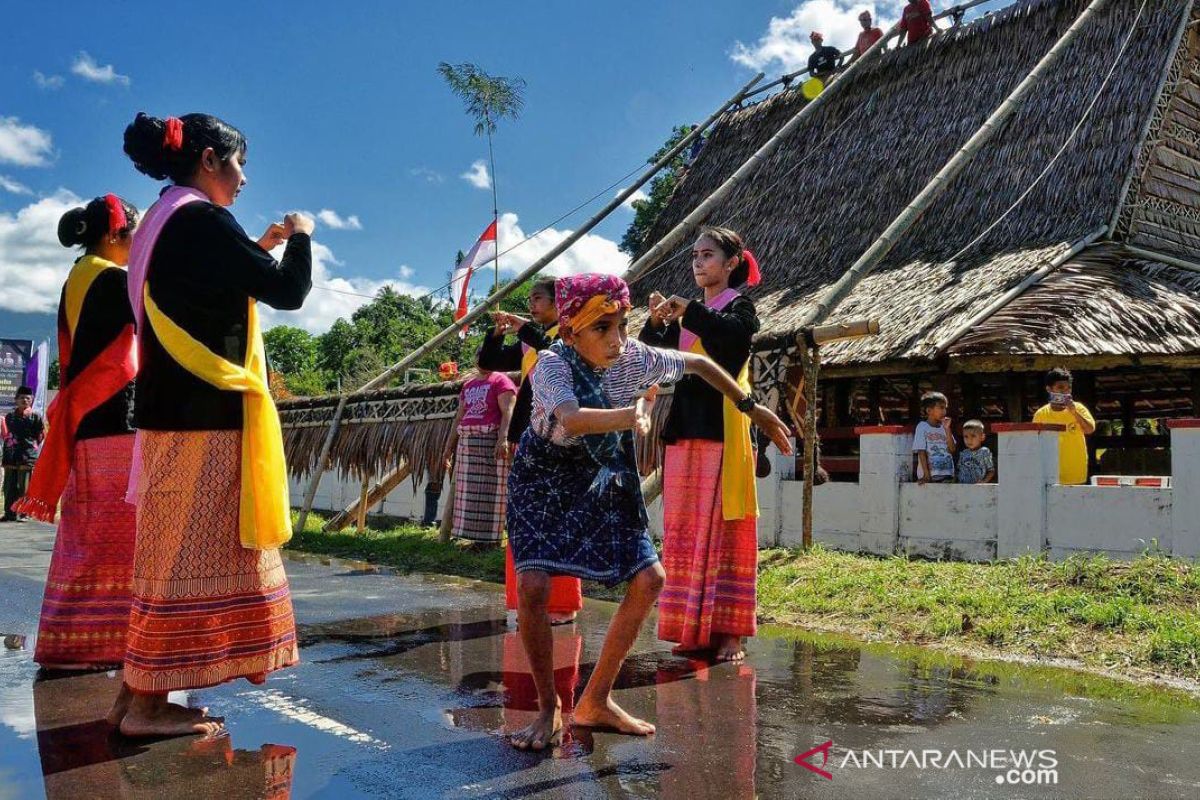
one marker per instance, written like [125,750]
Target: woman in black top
[710,529]
[211,600]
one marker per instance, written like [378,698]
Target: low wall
[1120,521]
[949,521]
[884,513]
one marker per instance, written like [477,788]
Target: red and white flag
[483,253]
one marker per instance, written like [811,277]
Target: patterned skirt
[565,518]
[85,611]
[205,609]
[480,484]
[711,563]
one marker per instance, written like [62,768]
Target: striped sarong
[711,563]
[205,609]
[481,484]
[85,610]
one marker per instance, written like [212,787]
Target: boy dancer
[575,504]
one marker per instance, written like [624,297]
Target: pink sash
[144,239]
[718,303]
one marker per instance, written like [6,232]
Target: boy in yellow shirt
[1063,410]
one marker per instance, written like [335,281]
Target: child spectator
[933,442]
[975,464]
[1063,410]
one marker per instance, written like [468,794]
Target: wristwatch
[746,404]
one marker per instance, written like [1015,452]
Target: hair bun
[72,227]
[144,146]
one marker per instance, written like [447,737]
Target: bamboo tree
[488,98]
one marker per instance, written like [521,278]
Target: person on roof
[917,20]
[869,36]
[825,60]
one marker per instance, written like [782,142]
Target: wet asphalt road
[407,683]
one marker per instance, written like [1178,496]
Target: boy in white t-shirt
[933,442]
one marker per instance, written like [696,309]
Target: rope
[1070,138]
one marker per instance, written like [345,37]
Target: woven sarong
[481,482]
[85,610]
[205,609]
[711,563]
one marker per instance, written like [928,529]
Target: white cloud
[23,145]
[13,187]
[633,198]
[429,175]
[331,219]
[33,265]
[47,81]
[86,67]
[592,253]
[786,41]
[333,297]
[478,175]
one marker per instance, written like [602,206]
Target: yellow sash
[739,492]
[264,512]
[530,356]
[79,281]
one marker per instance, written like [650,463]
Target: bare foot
[729,648]
[120,706]
[169,719]
[546,731]
[609,716]
[562,619]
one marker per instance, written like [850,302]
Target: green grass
[1124,616]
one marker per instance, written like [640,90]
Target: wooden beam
[373,496]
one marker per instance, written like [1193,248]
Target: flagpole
[500,294]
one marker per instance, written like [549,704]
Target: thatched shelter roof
[815,205]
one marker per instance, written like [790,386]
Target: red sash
[107,374]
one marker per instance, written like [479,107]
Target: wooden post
[362,503]
[451,331]
[378,492]
[447,526]
[812,364]
[1014,396]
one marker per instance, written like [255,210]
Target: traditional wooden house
[1072,239]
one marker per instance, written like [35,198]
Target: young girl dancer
[210,597]
[575,503]
[710,531]
[478,449]
[86,456]
[533,335]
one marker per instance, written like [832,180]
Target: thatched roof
[815,205]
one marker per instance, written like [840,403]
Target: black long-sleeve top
[104,314]
[202,272]
[697,409]
[508,357]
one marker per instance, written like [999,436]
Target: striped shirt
[639,367]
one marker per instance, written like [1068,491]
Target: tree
[645,212]
[290,350]
[487,98]
[53,374]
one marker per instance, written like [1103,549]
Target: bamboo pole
[692,221]
[940,182]
[1006,298]
[652,486]
[378,492]
[362,503]
[447,526]
[812,364]
[533,269]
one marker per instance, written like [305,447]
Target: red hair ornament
[173,134]
[753,274]
[117,221]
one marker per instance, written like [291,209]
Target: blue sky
[344,112]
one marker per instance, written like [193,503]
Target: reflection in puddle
[391,635]
[81,755]
[14,641]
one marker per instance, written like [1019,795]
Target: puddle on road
[416,704]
